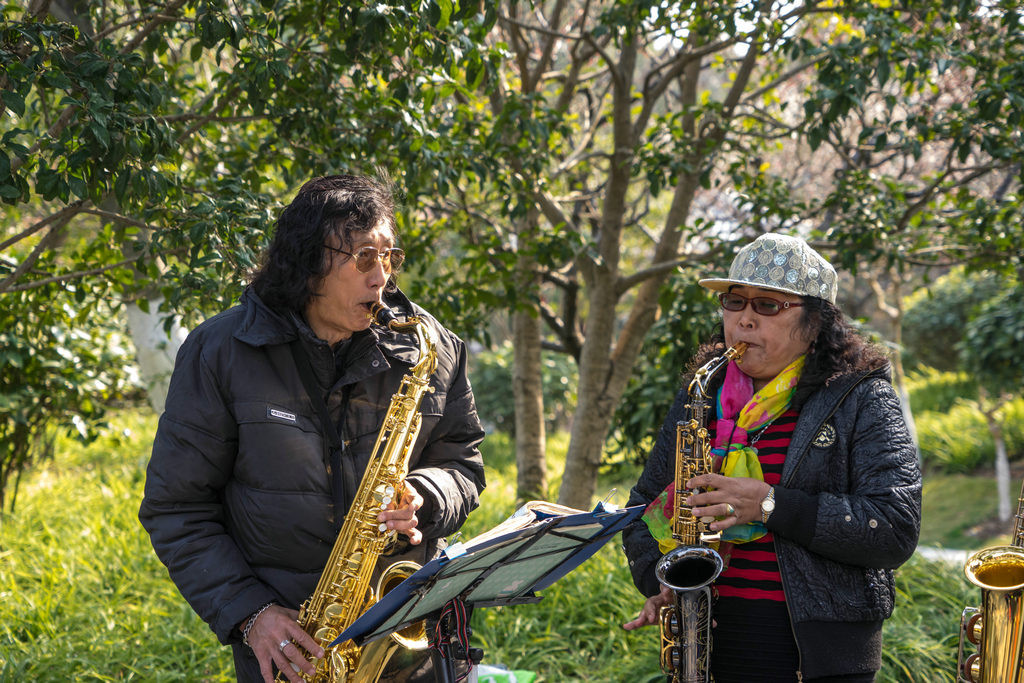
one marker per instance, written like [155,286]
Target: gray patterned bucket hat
[782,263]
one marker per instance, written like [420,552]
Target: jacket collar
[263,326]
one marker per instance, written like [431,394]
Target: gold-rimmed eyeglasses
[367,257]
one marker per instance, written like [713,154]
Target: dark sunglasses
[368,257]
[762,305]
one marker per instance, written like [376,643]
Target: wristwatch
[768,505]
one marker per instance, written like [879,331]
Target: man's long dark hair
[295,263]
[838,349]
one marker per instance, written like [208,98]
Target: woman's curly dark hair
[295,263]
[838,349]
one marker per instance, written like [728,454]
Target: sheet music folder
[536,546]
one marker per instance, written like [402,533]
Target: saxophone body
[694,564]
[344,591]
[997,626]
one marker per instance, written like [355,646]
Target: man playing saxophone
[273,411]
[816,489]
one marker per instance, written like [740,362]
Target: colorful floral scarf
[734,456]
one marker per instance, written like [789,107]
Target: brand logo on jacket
[826,436]
[280,414]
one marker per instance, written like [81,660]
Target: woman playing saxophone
[815,492]
[274,409]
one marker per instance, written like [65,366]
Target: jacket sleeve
[638,544]
[876,521]
[450,470]
[192,460]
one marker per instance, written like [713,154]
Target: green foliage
[689,317]
[958,440]
[934,390]
[94,603]
[992,343]
[59,373]
[491,373]
[935,318]
[919,642]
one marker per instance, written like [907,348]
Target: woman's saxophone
[344,591]
[997,627]
[693,565]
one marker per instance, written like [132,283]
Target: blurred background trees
[568,171]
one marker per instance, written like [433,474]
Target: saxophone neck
[699,385]
[425,336]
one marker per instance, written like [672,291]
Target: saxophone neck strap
[316,396]
[334,442]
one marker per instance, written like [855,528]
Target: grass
[959,511]
[83,597]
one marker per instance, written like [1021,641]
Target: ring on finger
[729,510]
[283,644]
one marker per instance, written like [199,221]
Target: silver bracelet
[252,620]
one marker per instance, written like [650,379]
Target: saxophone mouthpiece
[382,315]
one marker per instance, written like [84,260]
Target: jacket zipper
[792,472]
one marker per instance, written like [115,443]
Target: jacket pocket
[279,448]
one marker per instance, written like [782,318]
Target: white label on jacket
[280,414]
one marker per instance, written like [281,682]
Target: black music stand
[508,568]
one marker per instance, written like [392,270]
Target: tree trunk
[155,349]
[1002,465]
[527,389]
[1002,471]
[596,405]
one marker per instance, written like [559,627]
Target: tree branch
[67,212]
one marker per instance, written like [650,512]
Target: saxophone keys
[325,635]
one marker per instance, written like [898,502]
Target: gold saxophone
[344,591]
[693,565]
[997,626]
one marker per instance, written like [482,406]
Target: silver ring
[729,510]
[282,644]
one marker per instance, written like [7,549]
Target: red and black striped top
[753,568]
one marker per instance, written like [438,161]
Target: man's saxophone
[344,591]
[693,565]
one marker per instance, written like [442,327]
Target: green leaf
[101,133]
[14,102]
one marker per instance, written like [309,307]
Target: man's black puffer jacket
[847,512]
[238,500]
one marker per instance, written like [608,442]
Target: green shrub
[954,441]
[920,640]
[952,433]
[938,390]
[491,374]
[959,440]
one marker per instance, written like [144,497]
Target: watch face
[767,504]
